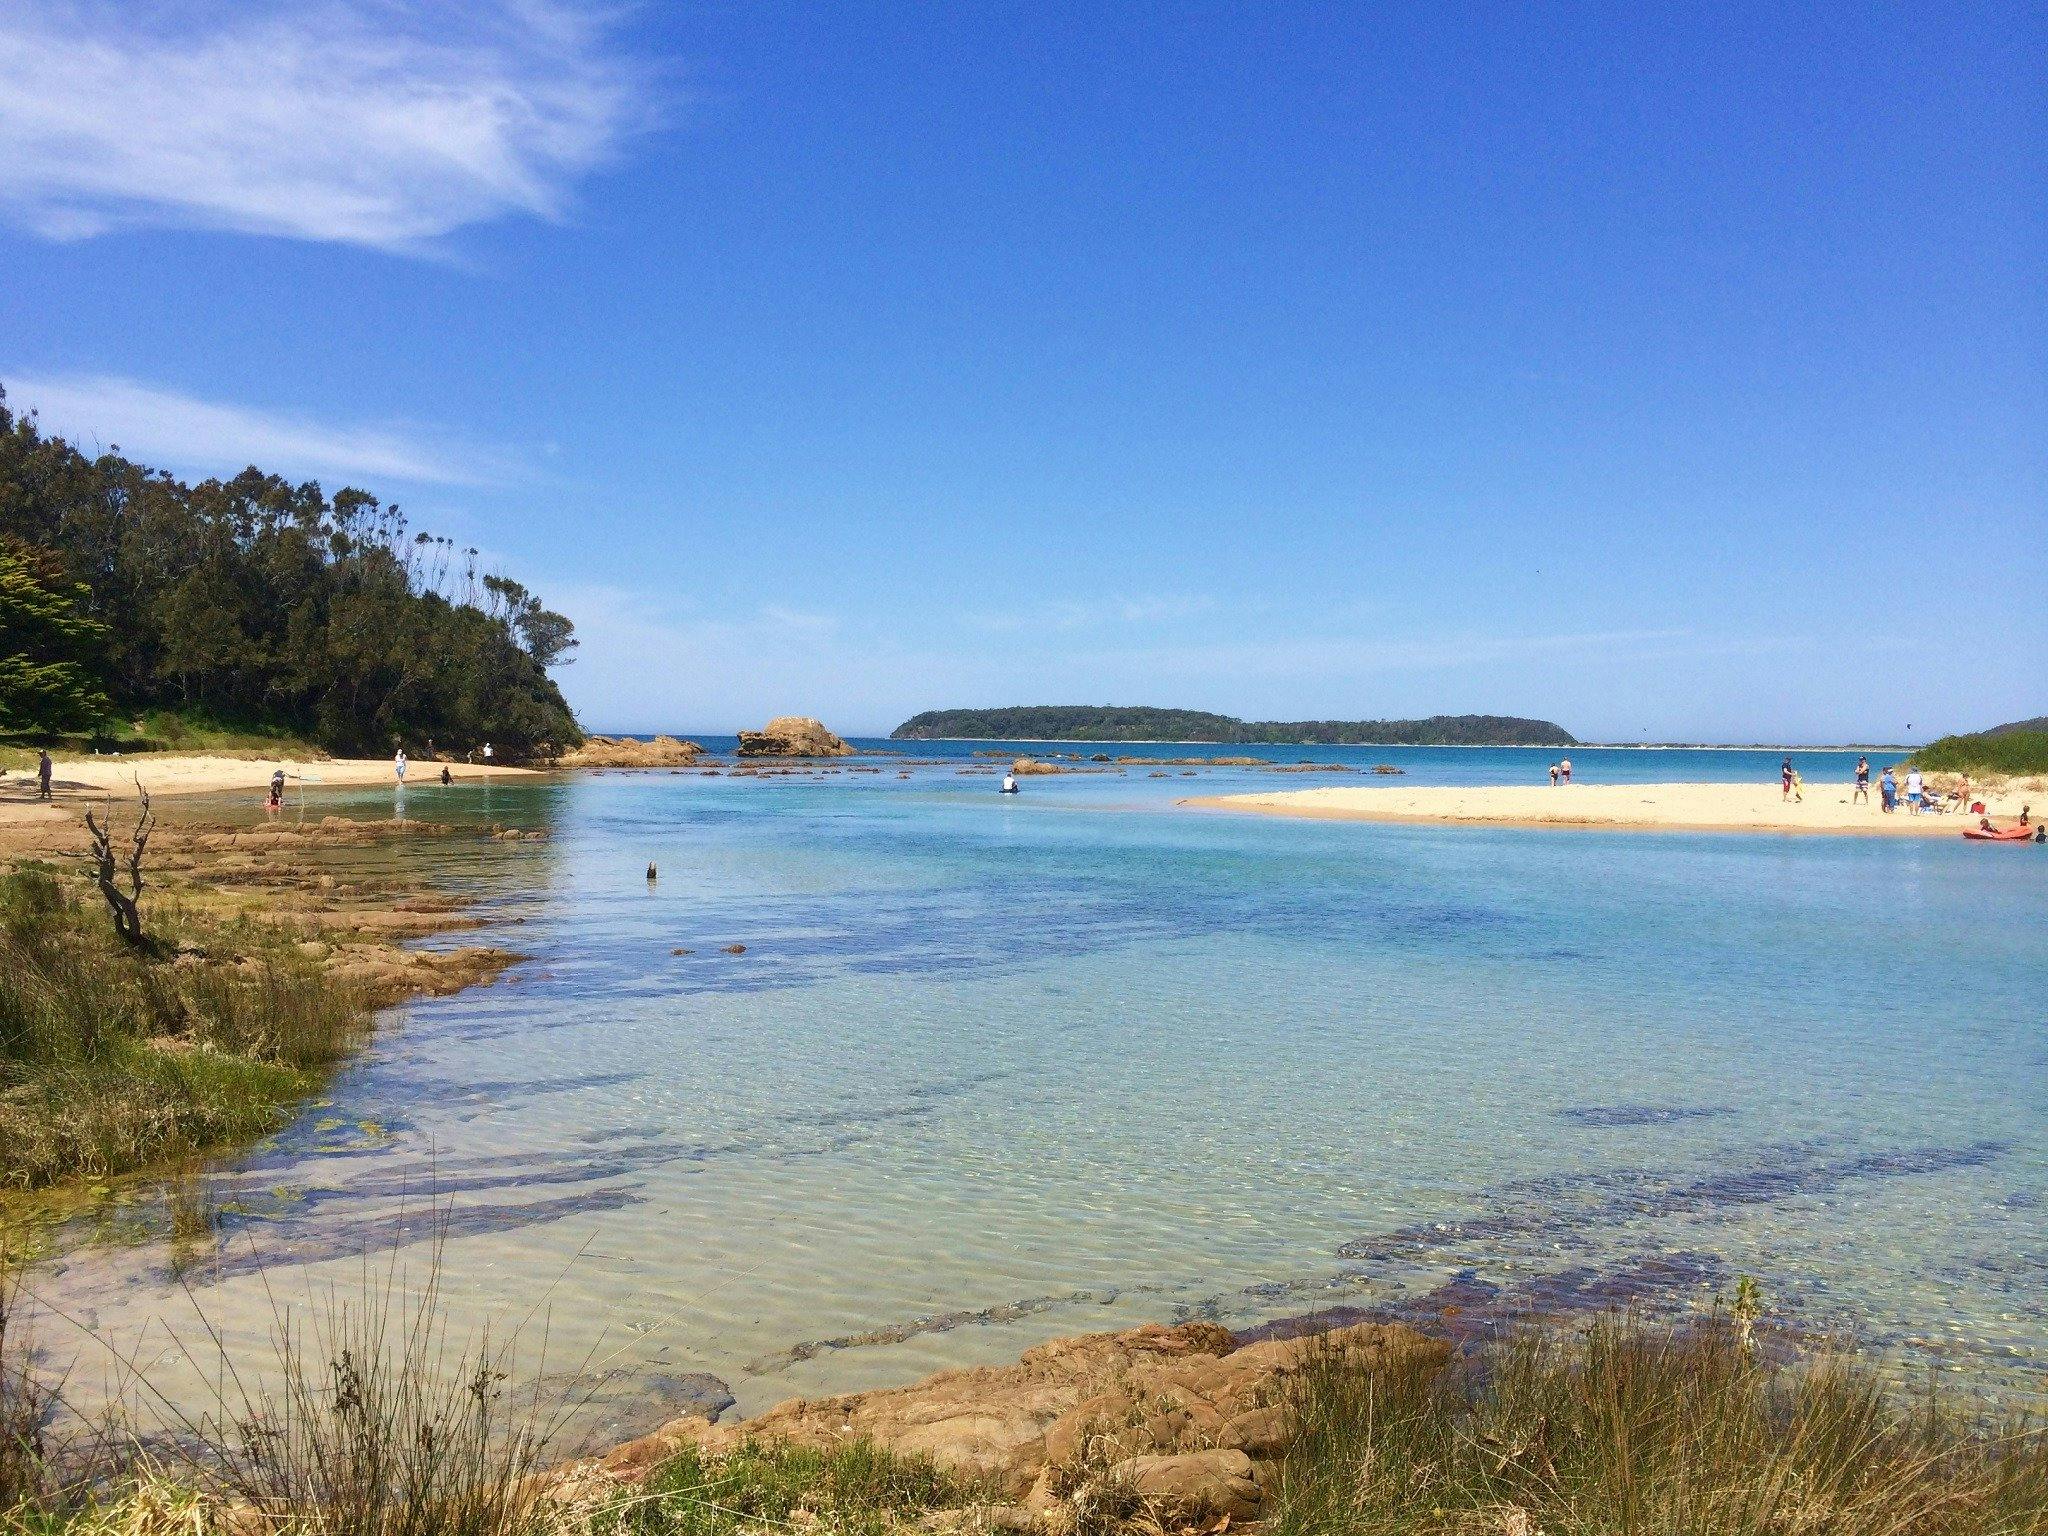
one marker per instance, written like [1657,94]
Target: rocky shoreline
[1190,1419]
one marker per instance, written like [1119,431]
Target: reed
[114,1058]
[1622,1428]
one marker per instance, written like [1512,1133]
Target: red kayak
[2001,835]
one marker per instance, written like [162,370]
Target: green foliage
[252,599]
[2003,751]
[854,1489]
[111,1059]
[1621,1429]
[48,649]
[1107,722]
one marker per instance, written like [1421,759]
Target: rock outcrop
[1185,1419]
[1025,767]
[793,736]
[627,752]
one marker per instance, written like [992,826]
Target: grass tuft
[856,1489]
[1625,1429]
[113,1059]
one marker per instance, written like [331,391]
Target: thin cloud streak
[217,438]
[364,123]
[1350,656]
[1066,615]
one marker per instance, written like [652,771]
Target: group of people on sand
[1919,799]
[1561,772]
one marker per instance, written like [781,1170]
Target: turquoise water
[993,1069]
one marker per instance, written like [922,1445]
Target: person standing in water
[276,789]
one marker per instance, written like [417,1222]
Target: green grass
[2014,754]
[167,730]
[113,1059]
[1624,1429]
[854,1489]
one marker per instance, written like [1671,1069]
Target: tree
[48,650]
[268,603]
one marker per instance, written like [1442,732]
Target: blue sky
[1664,371]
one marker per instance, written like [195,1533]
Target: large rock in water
[627,752]
[792,736]
[1185,1417]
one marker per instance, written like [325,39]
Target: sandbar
[1827,808]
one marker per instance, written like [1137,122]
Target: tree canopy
[1110,722]
[49,650]
[259,600]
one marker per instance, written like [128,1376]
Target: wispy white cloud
[1350,656]
[211,437]
[1068,614]
[370,122]
[1364,656]
[796,618]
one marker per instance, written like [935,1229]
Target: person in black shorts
[1863,780]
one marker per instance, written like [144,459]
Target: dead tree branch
[108,867]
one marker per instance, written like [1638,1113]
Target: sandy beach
[1828,808]
[82,780]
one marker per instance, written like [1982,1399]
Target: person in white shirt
[1915,791]
[398,767]
[487,751]
[1009,784]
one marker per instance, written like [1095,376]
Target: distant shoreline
[1434,746]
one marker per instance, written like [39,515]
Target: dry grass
[366,1419]
[1626,1429]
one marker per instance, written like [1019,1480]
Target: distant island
[1109,722]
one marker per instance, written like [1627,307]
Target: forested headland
[1108,722]
[2017,748]
[255,603]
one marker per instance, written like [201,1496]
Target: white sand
[79,780]
[1669,807]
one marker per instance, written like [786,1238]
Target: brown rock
[1181,1412]
[793,736]
[1024,767]
[1194,1483]
[626,752]
[1258,1431]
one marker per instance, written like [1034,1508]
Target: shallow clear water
[995,1069]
